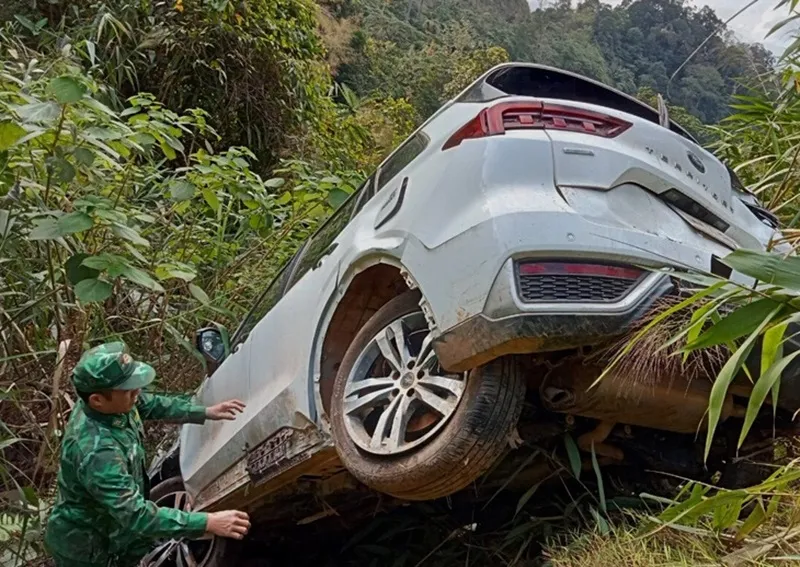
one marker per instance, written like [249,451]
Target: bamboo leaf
[737,324]
[600,488]
[755,519]
[762,387]
[129,234]
[766,267]
[720,388]
[198,293]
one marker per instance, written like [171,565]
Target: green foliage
[409,49]
[132,222]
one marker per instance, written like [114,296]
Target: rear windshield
[542,82]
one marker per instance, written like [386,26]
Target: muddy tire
[457,450]
[216,552]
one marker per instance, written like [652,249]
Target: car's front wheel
[210,552]
[405,427]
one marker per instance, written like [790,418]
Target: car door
[209,450]
[270,367]
[280,362]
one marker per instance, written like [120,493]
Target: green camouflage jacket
[101,513]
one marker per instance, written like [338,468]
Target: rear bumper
[483,337]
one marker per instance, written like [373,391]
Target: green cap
[110,367]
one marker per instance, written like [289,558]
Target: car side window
[319,245]
[266,301]
[401,158]
[365,192]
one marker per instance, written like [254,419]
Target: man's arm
[178,409]
[104,473]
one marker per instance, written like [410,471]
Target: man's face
[114,401]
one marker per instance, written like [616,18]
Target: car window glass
[265,302]
[318,245]
[401,158]
[365,192]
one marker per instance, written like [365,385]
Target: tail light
[500,118]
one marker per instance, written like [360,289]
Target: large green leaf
[45,229]
[129,234]
[181,190]
[10,132]
[766,267]
[112,263]
[74,222]
[93,290]
[84,156]
[739,323]
[76,271]
[176,270]
[212,199]
[67,89]
[142,278]
[39,112]
[60,169]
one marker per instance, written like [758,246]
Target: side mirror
[211,343]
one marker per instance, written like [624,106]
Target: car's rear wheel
[405,427]
[211,552]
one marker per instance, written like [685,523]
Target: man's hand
[230,523]
[225,410]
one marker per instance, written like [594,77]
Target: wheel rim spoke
[160,554]
[427,356]
[180,500]
[392,343]
[366,401]
[452,386]
[397,433]
[360,386]
[379,435]
[187,555]
[432,400]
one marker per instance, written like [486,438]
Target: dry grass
[649,358]
[627,547]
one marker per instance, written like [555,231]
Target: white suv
[520,219]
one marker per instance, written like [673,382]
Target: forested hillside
[425,49]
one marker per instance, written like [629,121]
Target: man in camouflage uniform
[102,517]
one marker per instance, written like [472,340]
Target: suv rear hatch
[606,139]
